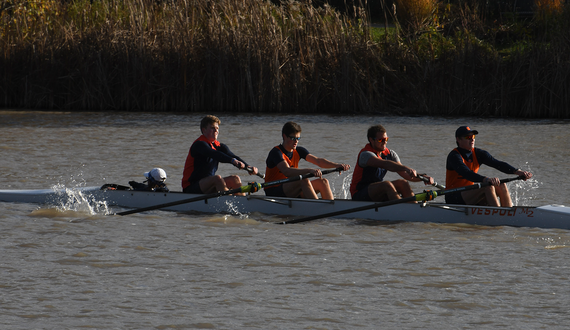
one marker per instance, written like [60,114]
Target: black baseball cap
[465,131]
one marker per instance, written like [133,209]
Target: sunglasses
[468,137]
[294,138]
[382,140]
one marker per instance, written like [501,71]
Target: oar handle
[299,177]
[435,184]
[250,170]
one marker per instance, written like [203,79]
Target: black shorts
[362,195]
[276,191]
[193,188]
[454,198]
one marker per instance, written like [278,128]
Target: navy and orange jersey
[470,166]
[203,159]
[364,176]
[278,155]
[462,167]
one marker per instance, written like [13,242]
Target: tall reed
[415,14]
[188,55]
[253,56]
[545,9]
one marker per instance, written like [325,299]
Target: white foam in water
[234,210]
[522,192]
[75,199]
[346,186]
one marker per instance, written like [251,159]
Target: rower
[283,162]
[372,164]
[462,169]
[205,154]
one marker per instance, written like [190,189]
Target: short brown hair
[291,128]
[209,120]
[372,131]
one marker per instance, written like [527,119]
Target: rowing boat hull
[549,216]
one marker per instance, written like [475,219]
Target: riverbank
[235,56]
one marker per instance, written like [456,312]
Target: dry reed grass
[253,56]
[545,9]
[414,15]
[187,55]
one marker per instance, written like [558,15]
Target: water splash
[344,188]
[231,215]
[233,209]
[78,200]
[524,192]
[345,192]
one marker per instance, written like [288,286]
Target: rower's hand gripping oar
[435,184]
[299,177]
[425,196]
[250,188]
[249,169]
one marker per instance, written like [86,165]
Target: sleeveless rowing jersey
[273,173]
[454,180]
[364,176]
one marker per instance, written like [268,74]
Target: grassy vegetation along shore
[438,58]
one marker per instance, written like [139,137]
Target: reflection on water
[73,266]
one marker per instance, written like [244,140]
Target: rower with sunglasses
[373,162]
[283,162]
[462,170]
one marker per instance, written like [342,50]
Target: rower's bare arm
[405,172]
[292,171]
[430,180]
[407,176]
[389,165]
[325,163]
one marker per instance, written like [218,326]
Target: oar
[298,177]
[252,187]
[435,184]
[425,196]
[250,169]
